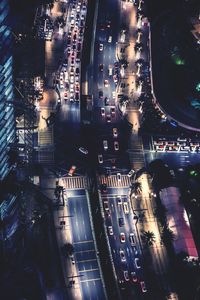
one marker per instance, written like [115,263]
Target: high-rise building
[8,199]
[7,117]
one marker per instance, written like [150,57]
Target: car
[110,39]
[83,150]
[122,237]
[137,263]
[126,276]
[130,173]
[77,71]
[125,207]
[100,47]
[77,96]
[119,200]
[72,170]
[65,97]
[121,222]
[110,70]
[100,158]
[116,145]
[72,71]
[72,62]
[105,144]
[134,277]
[105,204]
[135,250]
[115,78]
[102,111]
[132,238]
[71,89]
[71,79]
[106,83]
[115,132]
[106,101]
[119,176]
[110,230]
[104,187]
[101,67]
[114,94]
[108,118]
[100,94]
[143,286]
[112,111]
[122,255]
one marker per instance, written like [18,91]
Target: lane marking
[82,242]
[89,270]
[87,280]
[90,250]
[87,260]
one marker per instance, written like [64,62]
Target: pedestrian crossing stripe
[77,182]
[112,181]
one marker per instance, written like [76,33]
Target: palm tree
[135,188]
[68,249]
[167,235]
[149,237]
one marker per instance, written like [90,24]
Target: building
[8,200]
[7,118]
[178,222]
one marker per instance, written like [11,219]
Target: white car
[125,207]
[116,146]
[100,158]
[102,111]
[122,237]
[110,39]
[143,286]
[119,176]
[83,150]
[130,173]
[110,230]
[105,145]
[132,238]
[126,276]
[137,263]
[115,132]
[122,255]
[71,79]
[100,47]
[106,83]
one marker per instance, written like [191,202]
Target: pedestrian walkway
[76,182]
[112,181]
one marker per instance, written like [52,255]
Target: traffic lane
[80,220]
[92,289]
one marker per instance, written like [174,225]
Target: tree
[68,249]
[135,188]
[149,237]
[167,235]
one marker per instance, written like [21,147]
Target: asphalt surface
[84,249]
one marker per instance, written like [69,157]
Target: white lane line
[95,279]
[89,270]
[82,242]
[91,250]
[87,260]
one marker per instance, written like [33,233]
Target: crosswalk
[45,137]
[46,157]
[136,152]
[77,182]
[112,181]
